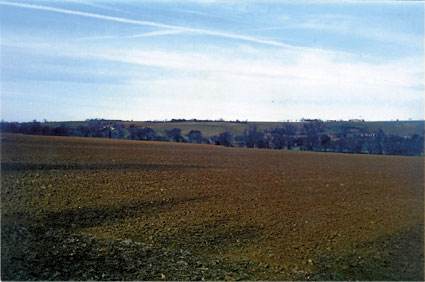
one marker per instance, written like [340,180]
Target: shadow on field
[95,166]
[40,253]
[48,248]
[398,257]
[216,237]
[86,217]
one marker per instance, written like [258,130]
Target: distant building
[311,120]
[108,127]
[368,134]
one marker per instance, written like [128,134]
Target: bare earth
[115,209]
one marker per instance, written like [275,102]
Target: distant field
[402,128]
[82,208]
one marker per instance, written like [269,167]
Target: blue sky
[255,60]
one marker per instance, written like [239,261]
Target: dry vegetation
[75,208]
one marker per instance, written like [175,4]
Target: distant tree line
[311,137]
[198,120]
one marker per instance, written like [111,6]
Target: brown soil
[292,215]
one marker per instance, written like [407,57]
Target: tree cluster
[311,137]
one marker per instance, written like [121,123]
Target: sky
[205,59]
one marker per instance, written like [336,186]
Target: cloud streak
[313,68]
[153,24]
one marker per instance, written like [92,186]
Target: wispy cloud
[324,22]
[219,15]
[314,67]
[282,67]
[345,25]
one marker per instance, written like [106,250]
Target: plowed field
[75,208]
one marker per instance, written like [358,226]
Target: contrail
[138,35]
[99,6]
[154,24]
[90,15]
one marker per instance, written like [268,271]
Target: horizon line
[178,120]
